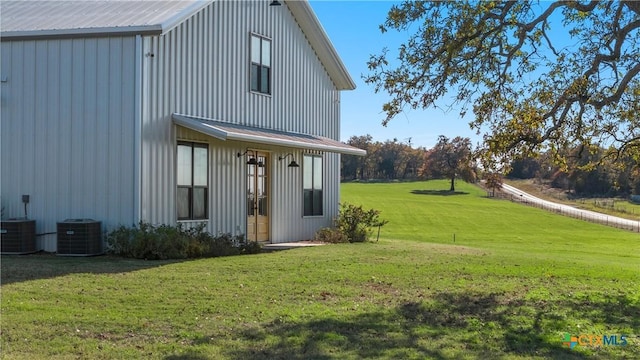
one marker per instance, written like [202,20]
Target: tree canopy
[449,159]
[389,160]
[539,76]
[395,160]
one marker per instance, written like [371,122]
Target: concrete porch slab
[290,245]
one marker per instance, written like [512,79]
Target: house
[171,112]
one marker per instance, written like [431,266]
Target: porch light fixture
[292,164]
[252,160]
[275,3]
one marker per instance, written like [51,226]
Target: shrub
[250,247]
[353,224]
[120,241]
[222,245]
[174,242]
[356,223]
[331,235]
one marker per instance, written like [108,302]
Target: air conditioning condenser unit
[18,236]
[79,237]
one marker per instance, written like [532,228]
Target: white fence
[513,194]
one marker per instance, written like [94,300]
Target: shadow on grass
[187,356]
[450,325]
[438,192]
[18,268]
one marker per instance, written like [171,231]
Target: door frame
[254,220]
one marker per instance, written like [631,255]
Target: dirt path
[587,215]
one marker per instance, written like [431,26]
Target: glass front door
[258,198]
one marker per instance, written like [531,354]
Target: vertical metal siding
[137,128]
[201,68]
[67,131]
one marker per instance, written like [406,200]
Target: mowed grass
[425,211]
[515,280]
[612,206]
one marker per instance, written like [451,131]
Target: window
[312,184]
[260,64]
[192,181]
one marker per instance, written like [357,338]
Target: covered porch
[272,186]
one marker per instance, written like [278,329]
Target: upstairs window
[192,181]
[260,64]
[312,183]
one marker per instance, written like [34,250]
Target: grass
[515,280]
[611,206]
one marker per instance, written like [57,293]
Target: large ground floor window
[192,168]
[312,184]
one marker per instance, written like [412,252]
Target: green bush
[250,247]
[331,235]
[356,223]
[174,242]
[222,245]
[353,224]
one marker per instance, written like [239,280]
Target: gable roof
[93,17]
[43,19]
[320,42]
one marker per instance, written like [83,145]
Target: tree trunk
[453,187]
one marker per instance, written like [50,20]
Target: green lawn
[515,280]
[612,206]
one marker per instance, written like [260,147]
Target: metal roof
[226,131]
[26,19]
[42,18]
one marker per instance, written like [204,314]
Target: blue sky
[353,29]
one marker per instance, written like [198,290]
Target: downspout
[137,138]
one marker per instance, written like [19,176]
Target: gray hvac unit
[79,237]
[18,236]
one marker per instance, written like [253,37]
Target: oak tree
[538,76]
[493,181]
[450,159]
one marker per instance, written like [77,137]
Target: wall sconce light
[252,160]
[292,164]
[275,3]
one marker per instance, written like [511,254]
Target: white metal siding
[227,184]
[201,68]
[68,131]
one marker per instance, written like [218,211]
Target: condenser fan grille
[18,236]
[79,237]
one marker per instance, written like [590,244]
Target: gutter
[81,33]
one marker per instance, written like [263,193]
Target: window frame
[260,65]
[316,192]
[192,186]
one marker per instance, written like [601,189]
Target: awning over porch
[226,131]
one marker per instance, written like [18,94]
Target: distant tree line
[583,172]
[389,160]
[395,160]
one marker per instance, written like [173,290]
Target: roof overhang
[150,22]
[81,33]
[225,131]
